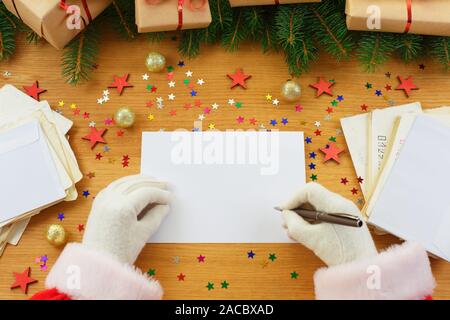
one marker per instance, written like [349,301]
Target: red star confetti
[322,87]
[406,84]
[354,190]
[329,110]
[181,277]
[98,156]
[201,258]
[125,160]
[120,83]
[344,181]
[34,91]
[120,133]
[318,132]
[173,112]
[364,107]
[95,136]
[238,78]
[331,152]
[23,280]
[80,227]
[360,180]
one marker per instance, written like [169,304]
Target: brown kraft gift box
[164,15]
[427,17]
[48,19]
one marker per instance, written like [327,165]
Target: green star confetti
[151,272]
[313,177]
[294,275]
[272,257]
[210,286]
[224,284]
[332,139]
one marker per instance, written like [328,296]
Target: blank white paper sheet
[224,185]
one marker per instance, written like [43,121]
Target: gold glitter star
[150,117]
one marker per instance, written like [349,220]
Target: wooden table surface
[256,278]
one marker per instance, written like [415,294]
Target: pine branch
[190,42]
[329,27]
[440,49]
[80,56]
[238,32]
[291,24]
[222,18]
[121,14]
[269,36]
[8,17]
[7,42]
[32,37]
[375,48]
[409,46]
[156,37]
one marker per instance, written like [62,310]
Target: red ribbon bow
[180,7]
[409,21]
[63,5]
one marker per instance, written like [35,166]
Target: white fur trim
[404,272]
[86,274]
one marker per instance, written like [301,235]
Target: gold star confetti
[73,106]
[268,97]
[61,103]
[212,126]
[150,117]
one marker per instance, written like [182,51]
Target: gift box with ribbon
[57,21]
[427,17]
[168,15]
[247,3]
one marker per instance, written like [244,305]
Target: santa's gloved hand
[333,244]
[117,224]
[123,216]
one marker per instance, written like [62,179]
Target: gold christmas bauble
[291,90]
[56,235]
[155,62]
[124,117]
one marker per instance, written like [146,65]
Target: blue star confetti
[181,63]
[308,140]
[340,98]
[193,93]
[60,216]
[312,155]
[250,254]
[312,166]
[378,93]
[273,122]
[86,193]
[284,121]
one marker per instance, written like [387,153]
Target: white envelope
[29,178]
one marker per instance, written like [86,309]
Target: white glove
[113,226]
[333,244]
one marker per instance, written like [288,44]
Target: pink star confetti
[201,258]
[298,108]
[240,119]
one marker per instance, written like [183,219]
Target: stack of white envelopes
[402,153]
[37,165]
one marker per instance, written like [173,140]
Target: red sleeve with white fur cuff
[401,272]
[86,274]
